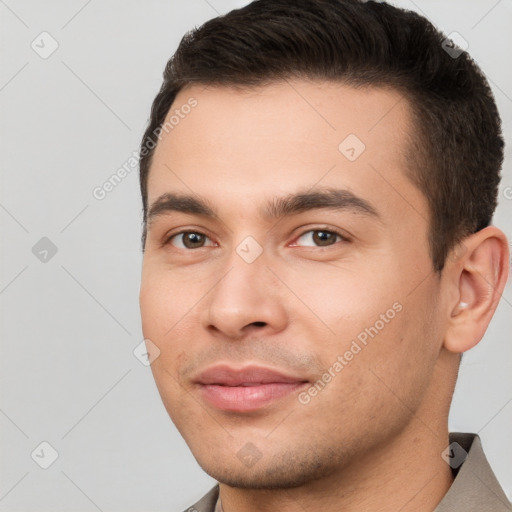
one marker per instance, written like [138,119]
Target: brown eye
[324,237]
[319,238]
[189,240]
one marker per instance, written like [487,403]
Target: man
[318,182]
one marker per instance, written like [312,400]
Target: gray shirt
[474,489]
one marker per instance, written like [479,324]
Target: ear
[477,277]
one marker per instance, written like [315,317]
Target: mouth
[247,389]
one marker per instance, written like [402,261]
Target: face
[286,280]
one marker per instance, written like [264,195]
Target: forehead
[285,135]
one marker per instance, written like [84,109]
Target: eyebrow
[292,204]
[336,199]
[170,202]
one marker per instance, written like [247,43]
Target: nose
[245,301]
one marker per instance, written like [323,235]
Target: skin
[372,438]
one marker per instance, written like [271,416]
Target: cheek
[399,360]
[346,301]
[377,382]
[385,335]
[161,310]
[164,301]
[169,304]
[166,311]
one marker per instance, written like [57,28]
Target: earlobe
[479,275]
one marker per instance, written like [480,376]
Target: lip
[246,389]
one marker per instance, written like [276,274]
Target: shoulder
[475,487]
[207,502]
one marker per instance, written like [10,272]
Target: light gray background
[70,325]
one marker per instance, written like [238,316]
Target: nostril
[259,324]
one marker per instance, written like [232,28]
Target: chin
[286,474]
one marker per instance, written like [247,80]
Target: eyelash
[326,229]
[343,237]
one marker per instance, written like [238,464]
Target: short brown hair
[458,149]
